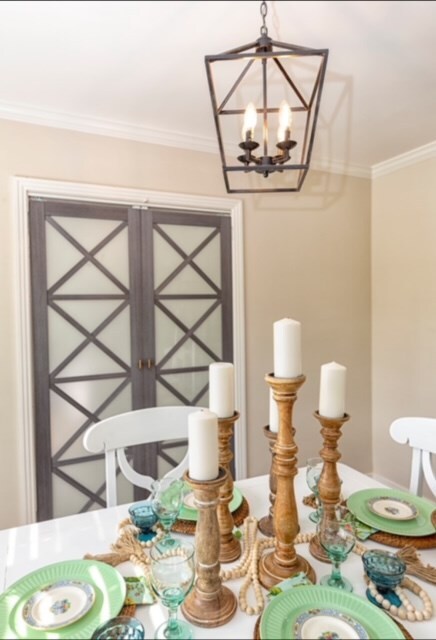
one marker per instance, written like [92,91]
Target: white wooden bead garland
[248,568]
[128,547]
[128,538]
[248,565]
[407,611]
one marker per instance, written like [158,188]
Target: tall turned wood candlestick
[209,604]
[266,524]
[230,547]
[329,484]
[284,562]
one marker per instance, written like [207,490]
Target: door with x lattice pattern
[130,306]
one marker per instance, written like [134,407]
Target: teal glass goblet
[144,518]
[172,576]
[336,534]
[313,472]
[167,500]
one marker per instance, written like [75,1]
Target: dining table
[24,549]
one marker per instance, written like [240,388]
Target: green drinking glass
[313,472]
[172,577]
[166,501]
[336,534]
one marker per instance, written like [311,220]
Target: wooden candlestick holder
[284,562]
[266,524]
[230,547]
[209,604]
[329,485]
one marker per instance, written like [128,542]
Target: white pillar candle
[222,389]
[203,445]
[287,348]
[332,390]
[273,413]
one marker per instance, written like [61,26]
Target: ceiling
[136,69]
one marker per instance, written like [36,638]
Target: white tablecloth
[24,549]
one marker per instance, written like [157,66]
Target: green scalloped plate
[279,618]
[189,513]
[110,591]
[419,526]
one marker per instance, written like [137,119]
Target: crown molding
[425,152]
[137,133]
[331,166]
[114,129]
[103,127]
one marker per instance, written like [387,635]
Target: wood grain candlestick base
[266,524]
[329,485]
[209,604]
[284,562]
[230,547]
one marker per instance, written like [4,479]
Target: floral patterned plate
[59,604]
[328,624]
[392,508]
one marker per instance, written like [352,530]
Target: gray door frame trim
[22,189]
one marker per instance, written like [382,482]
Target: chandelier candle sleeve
[332,390]
[203,445]
[222,389]
[287,348]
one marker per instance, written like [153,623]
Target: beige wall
[403,309]
[307,256]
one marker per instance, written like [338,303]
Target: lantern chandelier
[270,85]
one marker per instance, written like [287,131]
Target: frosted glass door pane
[89,347]
[188,317]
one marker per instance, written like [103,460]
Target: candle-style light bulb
[285,120]
[250,120]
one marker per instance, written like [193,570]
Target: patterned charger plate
[107,582]
[421,525]
[287,614]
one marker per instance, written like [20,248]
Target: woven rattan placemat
[256,630]
[419,542]
[391,540]
[188,526]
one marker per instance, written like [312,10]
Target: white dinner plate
[59,604]
[392,508]
[328,623]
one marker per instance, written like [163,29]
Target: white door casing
[23,189]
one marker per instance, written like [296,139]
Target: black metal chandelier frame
[267,50]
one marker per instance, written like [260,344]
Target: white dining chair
[141,426]
[420,435]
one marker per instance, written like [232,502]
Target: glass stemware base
[167,543]
[315,516]
[388,595]
[174,630]
[338,582]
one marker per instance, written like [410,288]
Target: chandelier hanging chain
[263,12]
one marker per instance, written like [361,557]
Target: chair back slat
[142,426]
[420,434]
